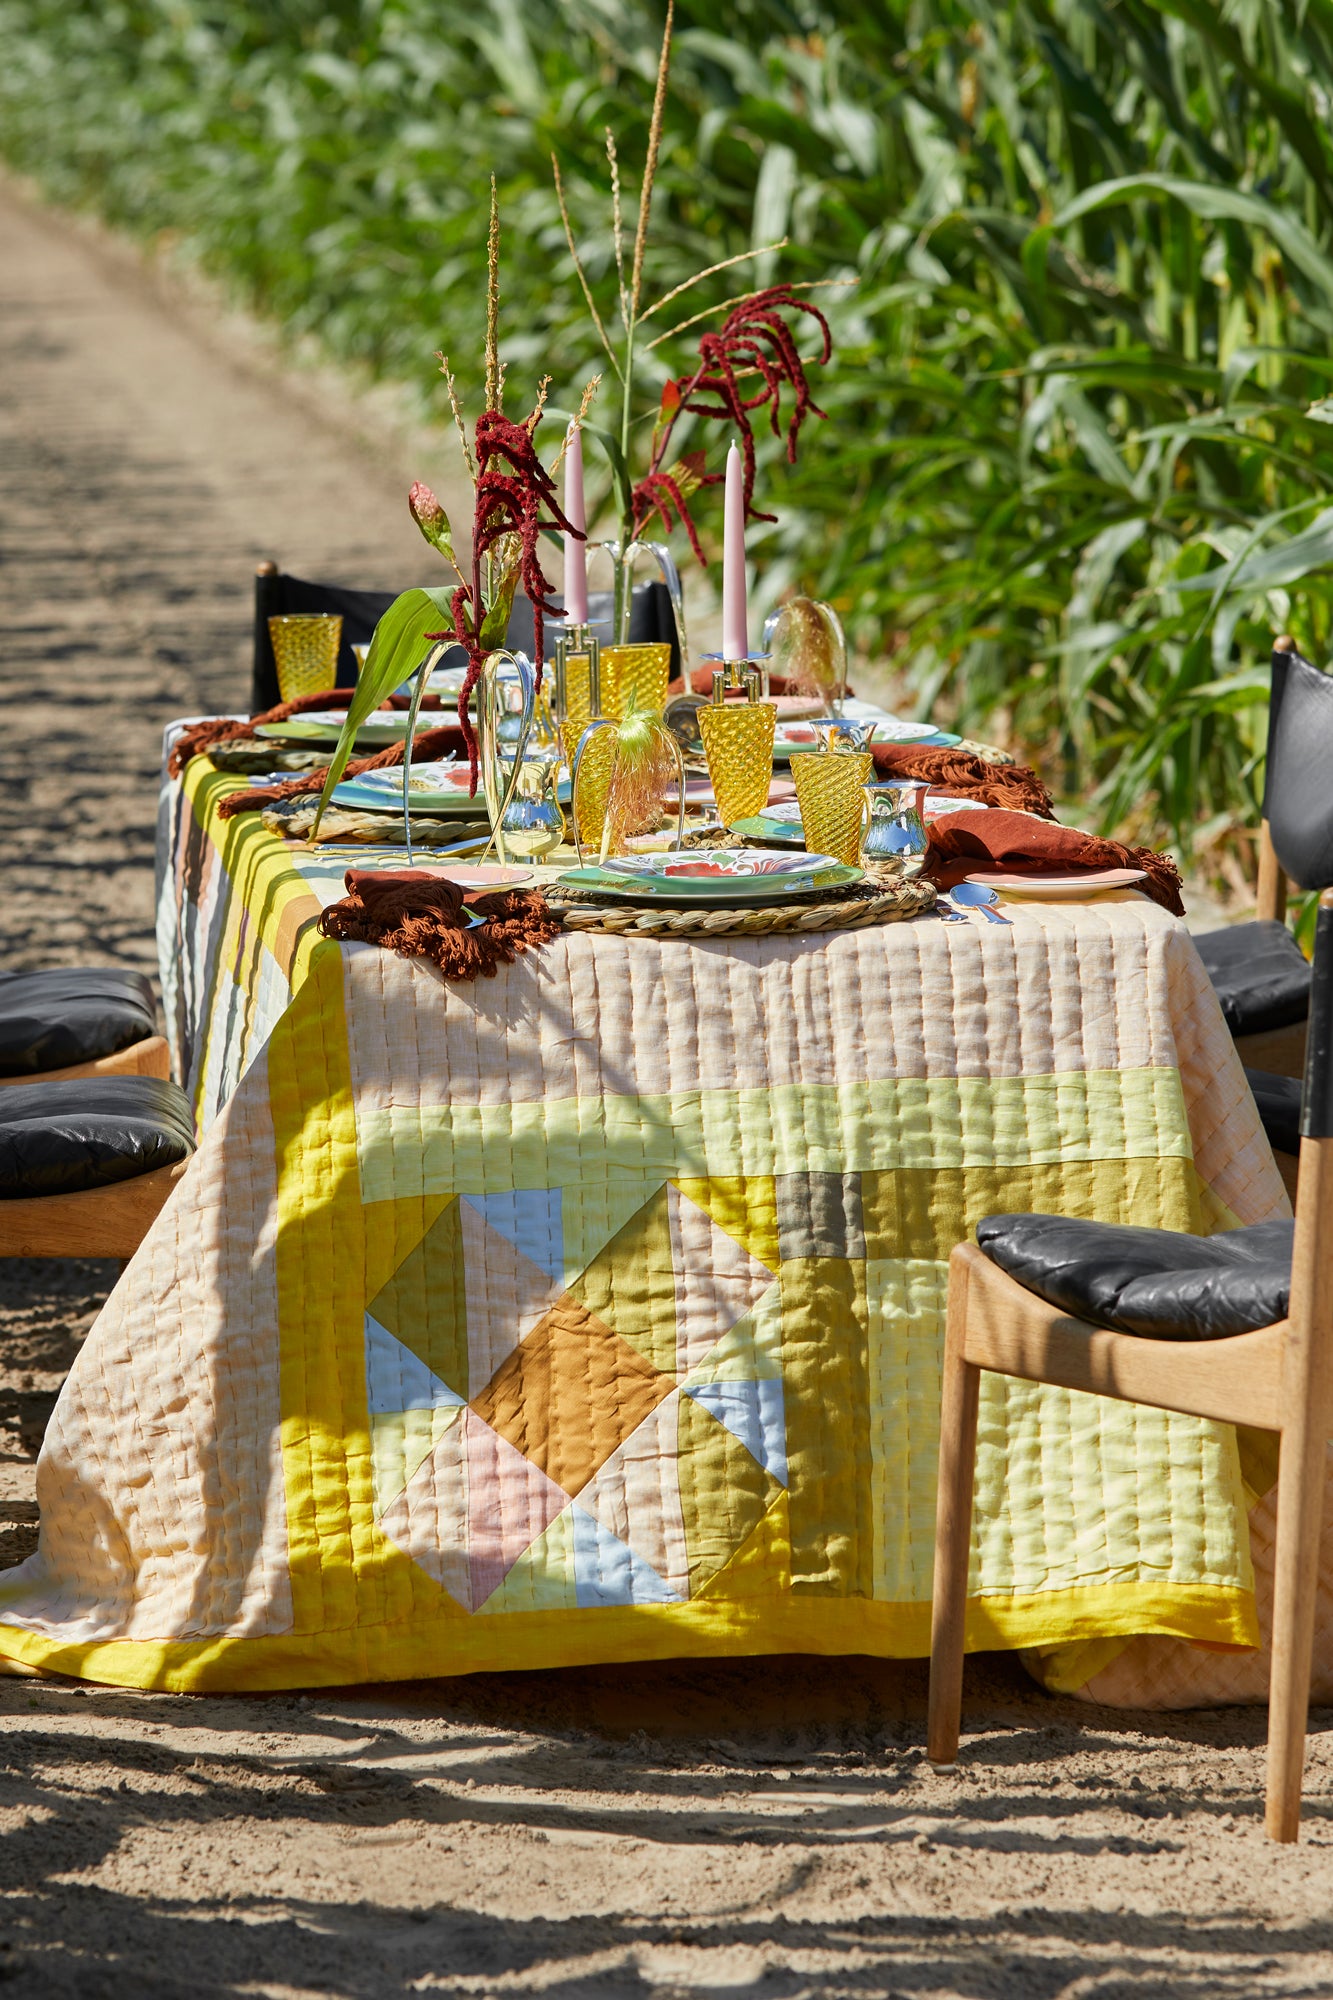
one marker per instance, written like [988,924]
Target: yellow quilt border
[446,1647]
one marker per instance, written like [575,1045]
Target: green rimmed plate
[324,729]
[783,833]
[720,876]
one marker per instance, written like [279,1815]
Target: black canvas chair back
[278,595]
[652,620]
[1298,803]
[1298,781]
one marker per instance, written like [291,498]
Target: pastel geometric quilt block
[581,1471]
[570,1393]
[471,1509]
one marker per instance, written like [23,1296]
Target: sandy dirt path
[765,1828]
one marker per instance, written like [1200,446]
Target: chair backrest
[278,595]
[1298,805]
[651,620]
[1298,781]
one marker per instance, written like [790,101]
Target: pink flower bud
[430,517]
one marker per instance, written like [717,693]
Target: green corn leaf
[397,647]
[495,624]
[1213,204]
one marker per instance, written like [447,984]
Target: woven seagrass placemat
[852,911]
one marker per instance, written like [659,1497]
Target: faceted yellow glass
[640,672]
[829,787]
[305,649]
[592,794]
[738,743]
[578,703]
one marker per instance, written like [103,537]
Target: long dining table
[593,1311]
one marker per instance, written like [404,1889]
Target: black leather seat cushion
[1260,974]
[52,1020]
[1148,1281]
[59,1138]
[1279,1102]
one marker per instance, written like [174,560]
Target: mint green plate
[773,832]
[300,729]
[723,889]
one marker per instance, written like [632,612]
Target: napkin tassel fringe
[424,916]
[201,737]
[426,745]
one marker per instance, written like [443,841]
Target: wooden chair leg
[1300,1510]
[953,1527]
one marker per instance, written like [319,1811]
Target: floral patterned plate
[719,875]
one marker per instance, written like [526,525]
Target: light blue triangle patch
[752,1412]
[530,1219]
[607,1571]
[396,1379]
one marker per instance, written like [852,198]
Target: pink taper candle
[735,623]
[576,552]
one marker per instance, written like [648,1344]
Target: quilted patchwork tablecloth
[594,1311]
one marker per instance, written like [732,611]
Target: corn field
[1080,417]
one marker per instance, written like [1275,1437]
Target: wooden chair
[149,1057]
[86,1166]
[277,594]
[1257,967]
[95,1222]
[78,1021]
[1274,1371]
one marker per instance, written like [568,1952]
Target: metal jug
[893,834]
[532,825]
[506,710]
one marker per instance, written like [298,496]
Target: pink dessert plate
[1061,888]
[484,875]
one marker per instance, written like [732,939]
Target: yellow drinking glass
[578,702]
[637,673]
[591,792]
[829,787]
[305,648]
[738,743]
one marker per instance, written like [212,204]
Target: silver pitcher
[506,710]
[893,833]
[532,825]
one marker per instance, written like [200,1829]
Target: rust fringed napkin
[426,916]
[426,744]
[1013,844]
[201,736]
[1011,787]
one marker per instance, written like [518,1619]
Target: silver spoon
[976,896]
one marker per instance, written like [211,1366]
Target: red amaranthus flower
[515,496]
[754,339]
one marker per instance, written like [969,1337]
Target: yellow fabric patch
[724,1492]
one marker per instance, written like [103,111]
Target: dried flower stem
[617,223]
[456,405]
[712,270]
[494,374]
[808,285]
[582,274]
[539,405]
[650,165]
[586,403]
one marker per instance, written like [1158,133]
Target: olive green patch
[424,1303]
[825,1349]
[724,1492]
